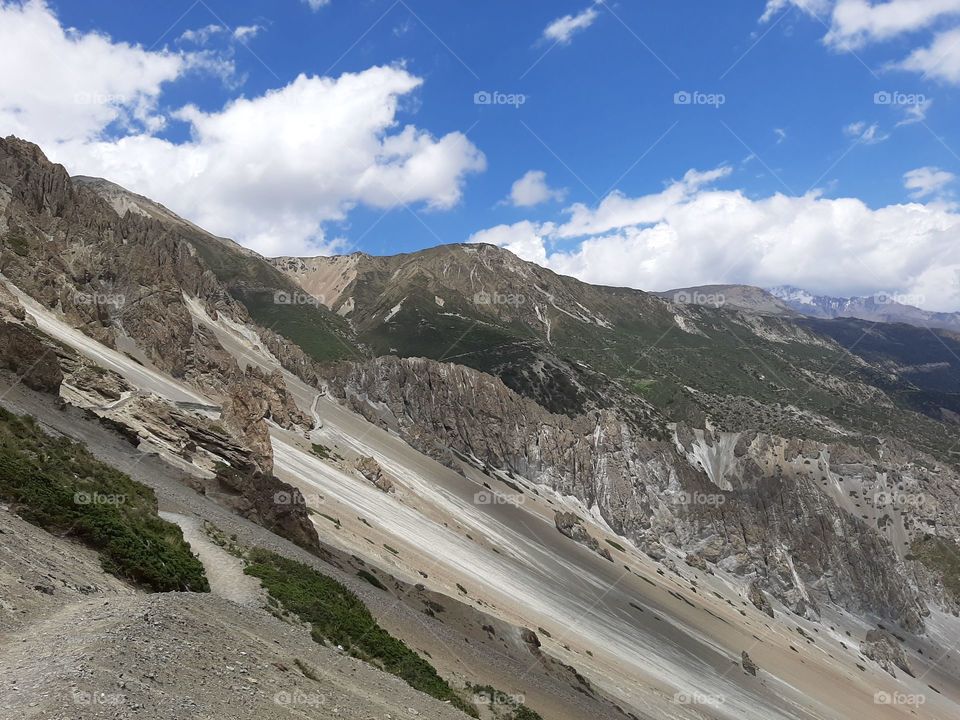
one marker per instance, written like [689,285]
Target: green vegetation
[321,451]
[942,556]
[391,549]
[371,578]
[317,331]
[58,485]
[615,544]
[489,695]
[337,615]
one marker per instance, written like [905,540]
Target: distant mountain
[881,307]
[741,297]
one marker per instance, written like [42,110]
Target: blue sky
[798,161]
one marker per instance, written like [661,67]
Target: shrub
[337,615]
[58,485]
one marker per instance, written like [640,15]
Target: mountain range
[454,482]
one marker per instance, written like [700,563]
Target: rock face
[30,359]
[758,599]
[747,502]
[884,649]
[371,470]
[749,666]
[572,526]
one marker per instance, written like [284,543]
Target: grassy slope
[58,485]
[337,615]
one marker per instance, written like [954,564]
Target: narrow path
[224,571]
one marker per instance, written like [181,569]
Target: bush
[58,485]
[338,616]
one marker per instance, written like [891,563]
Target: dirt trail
[224,571]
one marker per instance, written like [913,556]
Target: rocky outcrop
[371,470]
[884,649]
[572,526]
[33,361]
[758,599]
[749,666]
[747,502]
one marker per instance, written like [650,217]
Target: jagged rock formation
[884,649]
[759,599]
[572,526]
[371,470]
[749,666]
[749,504]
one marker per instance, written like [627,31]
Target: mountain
[881,307]
[742,297]
[451,483]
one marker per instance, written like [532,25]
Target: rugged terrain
[572,500]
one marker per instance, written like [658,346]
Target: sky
[644,143]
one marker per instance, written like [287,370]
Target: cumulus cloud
[853,24]
[316,4]
[941,60]
[532,189]
[926,181]
[692,233]
[563,29]
[243,33]
[59,84]
[269,171]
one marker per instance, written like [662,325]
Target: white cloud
[201,36]
[781,134]
[243,33]
[853,24]
[532,189]
[690,234]
[268,171]
[926,181]
[617,210]
[865,134]
[524,239]
[811,7]
[857,22]
[563,29]
[316,4]
[58,84]
[916,113]
[941,60]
